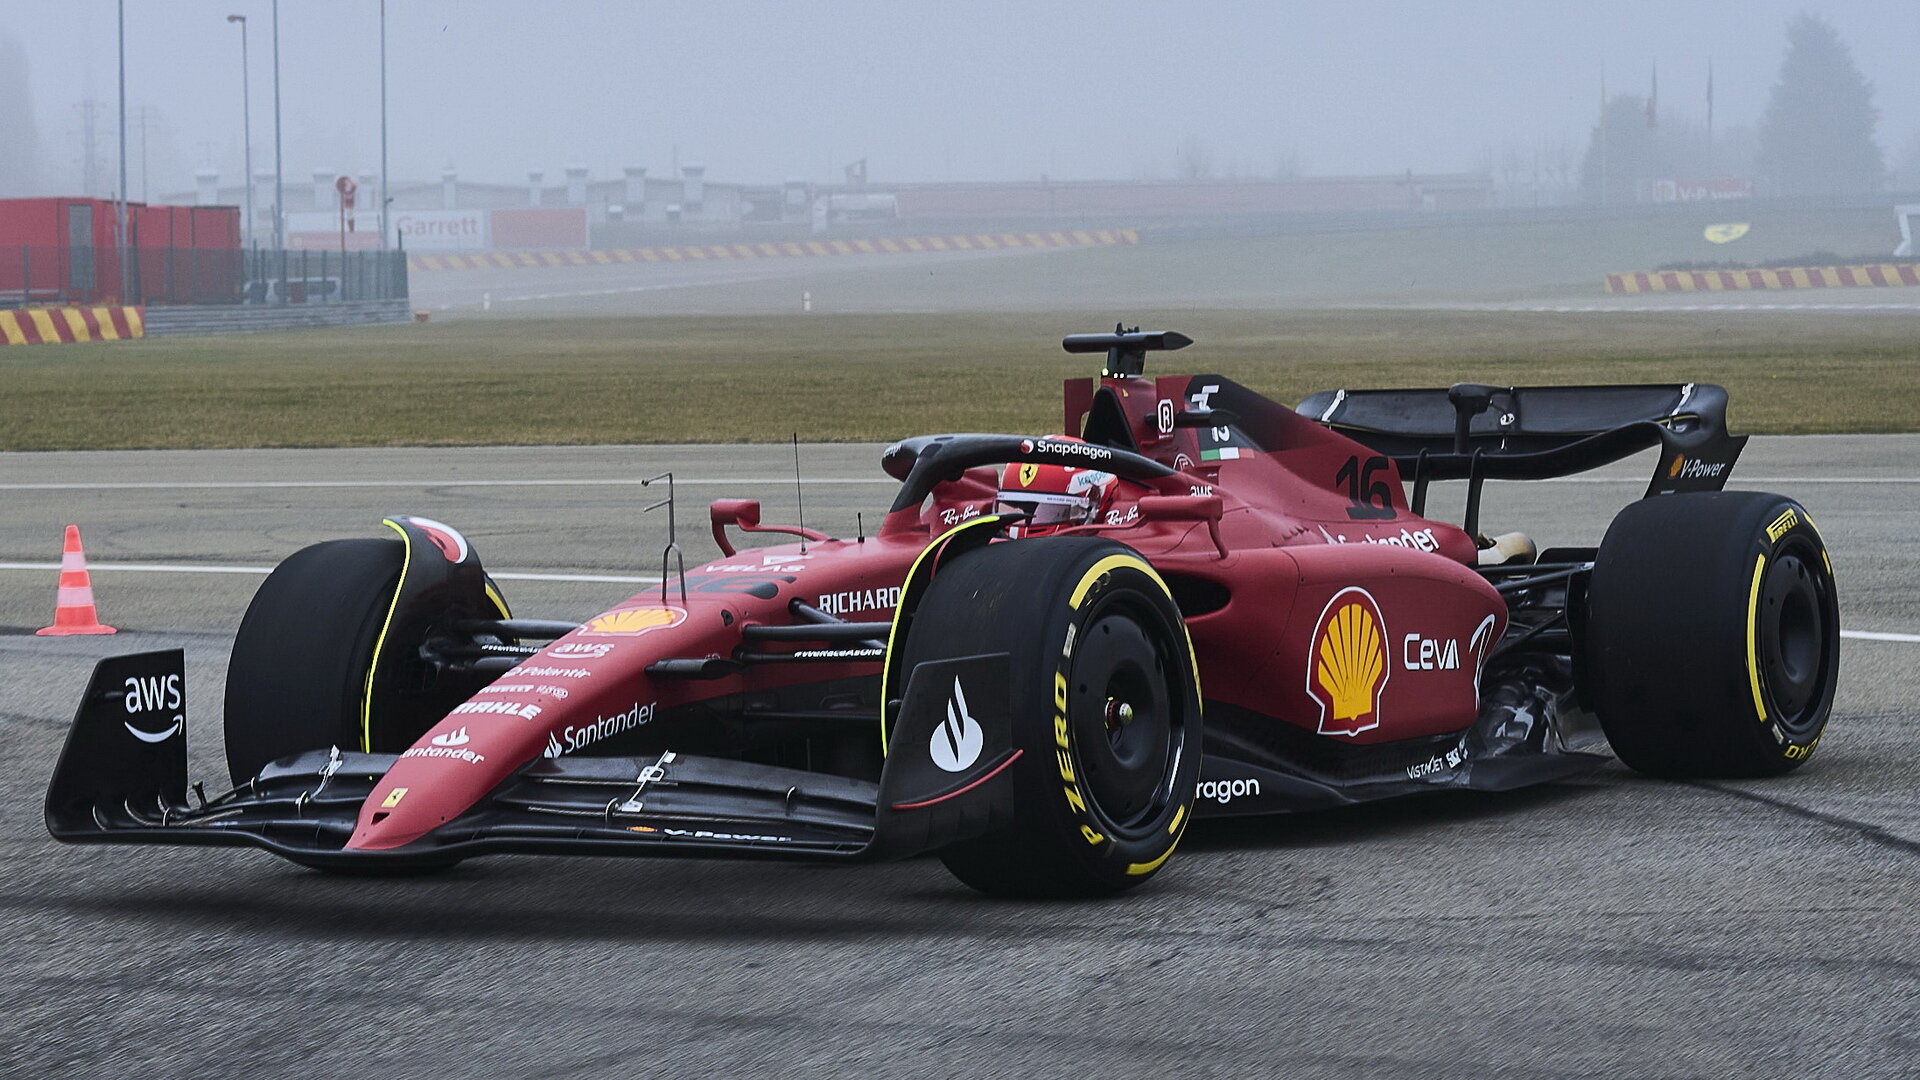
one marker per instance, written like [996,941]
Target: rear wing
[1474,432]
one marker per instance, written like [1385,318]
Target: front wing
[122,778]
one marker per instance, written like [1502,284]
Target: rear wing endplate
[1473,432]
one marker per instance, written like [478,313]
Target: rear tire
[1712,642]
[298,672]
[1105,709]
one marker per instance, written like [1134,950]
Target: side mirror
[744,513]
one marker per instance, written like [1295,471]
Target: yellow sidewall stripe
[900,609]
[380,641]
[1753,654]
[1139,868]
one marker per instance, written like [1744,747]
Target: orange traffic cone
[74,614]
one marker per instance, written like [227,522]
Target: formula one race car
[1054,654]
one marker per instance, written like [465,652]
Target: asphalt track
[733,285]
[1147,278]
[1608,926]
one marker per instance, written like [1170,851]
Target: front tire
[1106,711]
[1713,635]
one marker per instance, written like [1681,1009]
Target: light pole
[383,125]
[246,121]
[279,179]
[120,240]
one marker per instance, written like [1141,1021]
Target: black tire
[1104,787]
[299,665]
[1712,643]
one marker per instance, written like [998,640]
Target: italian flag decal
[1225,453]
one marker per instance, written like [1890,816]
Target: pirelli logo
[1782,525]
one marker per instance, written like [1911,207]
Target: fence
[34,275]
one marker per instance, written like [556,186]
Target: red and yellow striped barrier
[1792,277]
[777,250]
[51,326]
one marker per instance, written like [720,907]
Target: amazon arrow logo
[156,737]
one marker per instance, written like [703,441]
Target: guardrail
[33,275]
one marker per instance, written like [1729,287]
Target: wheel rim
[1128,728]
[1796,654]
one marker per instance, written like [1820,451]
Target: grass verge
[878,377]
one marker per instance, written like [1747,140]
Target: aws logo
[1347,670]
[632,621]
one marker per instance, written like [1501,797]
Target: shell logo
[1347,670]
[1674,469]
[634,621]
[1028,472]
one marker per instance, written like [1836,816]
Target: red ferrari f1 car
[1053,655]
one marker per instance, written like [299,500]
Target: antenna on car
[1126,349]
[672,550]
[799,502]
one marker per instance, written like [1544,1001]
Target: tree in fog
[1194,158]
[1816,137]
[18,141]
[1624,149]
[1635,154]
[1907,177]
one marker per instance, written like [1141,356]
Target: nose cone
[395,815]
[417,796]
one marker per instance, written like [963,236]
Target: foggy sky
[923,90]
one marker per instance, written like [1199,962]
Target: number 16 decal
[1371,495]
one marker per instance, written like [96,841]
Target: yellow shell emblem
[1726,234]
[634,620]
[1349,664]
[1674,469]
[1028,472]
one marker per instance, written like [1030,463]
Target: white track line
[620,579]
[173,568]
[761,481]
[172,485]
[1742,480]
[621,291]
